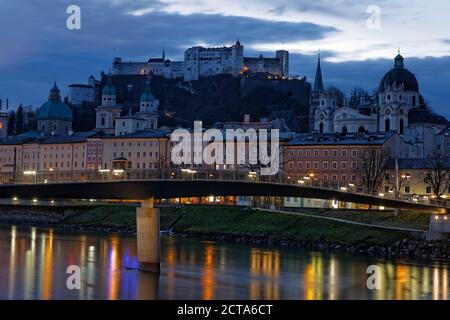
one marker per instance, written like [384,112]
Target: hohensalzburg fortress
[203,62]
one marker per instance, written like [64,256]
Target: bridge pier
[148,238]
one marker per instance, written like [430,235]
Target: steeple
[318,82]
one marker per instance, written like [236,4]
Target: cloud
[40,48]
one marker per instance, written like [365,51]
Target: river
[34,261]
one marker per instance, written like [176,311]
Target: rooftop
[309,139]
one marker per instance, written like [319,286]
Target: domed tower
[109,94]
[54,116]
[324,113]
[108,111]
[149,107]
[398,93]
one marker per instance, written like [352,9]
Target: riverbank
[258,227]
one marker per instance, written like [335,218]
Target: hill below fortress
[214,99]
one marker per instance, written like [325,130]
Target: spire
[399,61]
[164,55]
[318,82]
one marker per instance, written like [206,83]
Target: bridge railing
[48,177]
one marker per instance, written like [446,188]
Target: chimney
[246,118]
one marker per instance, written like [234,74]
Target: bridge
[145,186]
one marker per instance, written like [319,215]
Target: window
[401,126]
[291,165]
[407,189]
[316,165]
[354,153]
[325,165]
[334,165]
[429,190]
[344,165]
[325,153]
[316,153]
[387,125]
[308,165]
[300,165]
[344,153]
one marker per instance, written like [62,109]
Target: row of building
[397,126]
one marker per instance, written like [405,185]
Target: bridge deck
[176,188]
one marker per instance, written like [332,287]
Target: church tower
[324,113]
[149,108]
[317,90]
[108,111]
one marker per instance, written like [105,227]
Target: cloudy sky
[356,43]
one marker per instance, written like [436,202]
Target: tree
[20,120]
[372,169]
[438,175]
[358,97]
[11,123]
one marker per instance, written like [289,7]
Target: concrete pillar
[148,240]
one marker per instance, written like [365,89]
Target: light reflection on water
[33,265]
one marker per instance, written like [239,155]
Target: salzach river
[33,264]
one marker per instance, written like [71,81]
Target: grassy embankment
[234,221]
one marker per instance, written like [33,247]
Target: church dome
[109,89]
[54,108]
[147,95]
[399,76]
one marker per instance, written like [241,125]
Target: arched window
[344,130]
[321,127]
[361,129]
[387,125]
[414,101]
[43,127]
[103,121]
[402,126]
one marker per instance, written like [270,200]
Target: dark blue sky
[36,47]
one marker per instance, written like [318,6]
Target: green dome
[54,108]
[108,89]
[147,95]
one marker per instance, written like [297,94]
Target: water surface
[33,265]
